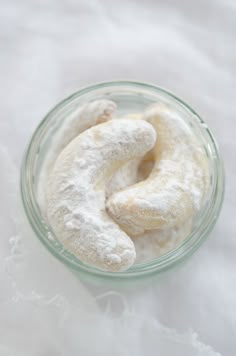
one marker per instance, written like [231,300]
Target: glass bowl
[130,97]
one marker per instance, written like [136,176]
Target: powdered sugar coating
[84,117]
[128,173]
[76,191]
[123,177]
[174,190]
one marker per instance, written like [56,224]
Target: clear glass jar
[130,97]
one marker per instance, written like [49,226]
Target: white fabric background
[50,48]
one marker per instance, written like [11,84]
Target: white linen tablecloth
[50,48]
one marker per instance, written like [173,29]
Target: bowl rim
[159,264]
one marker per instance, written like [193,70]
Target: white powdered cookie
[174,190]
[76,191]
